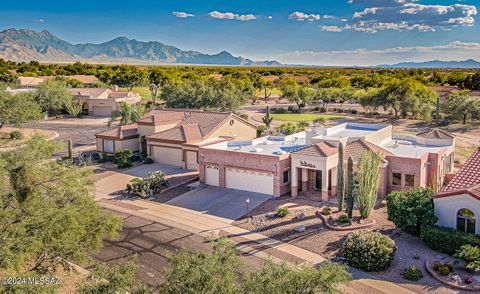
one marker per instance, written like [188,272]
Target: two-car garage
[240,179]
[175,156]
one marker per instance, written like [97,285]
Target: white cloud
[230,15]
[407,15]
[269,17]
[300,16]
[456,50]
[41,20]
[329,16]
[182,14]
[333,29]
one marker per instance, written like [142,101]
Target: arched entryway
[466,221]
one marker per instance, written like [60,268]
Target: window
[397,179]
[286,176]
[466,221]
[409,180]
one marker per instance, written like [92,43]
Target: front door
[318,180]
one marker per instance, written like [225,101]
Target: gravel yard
[317,238]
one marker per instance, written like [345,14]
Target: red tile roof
[121,132]
[467,180]
[435,134]
[320,149]
[357,149]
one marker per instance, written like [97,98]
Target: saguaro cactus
[351,182]
[340,179]
[267,119]
[70,149]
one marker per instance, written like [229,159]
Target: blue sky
[325,32]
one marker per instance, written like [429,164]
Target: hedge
[447,240]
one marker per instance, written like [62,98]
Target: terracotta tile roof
[468,176]
[435,134]
[185,133]
[158,118]
[95,92]
[320,149]
[121,94]
[357,149]
[121,132]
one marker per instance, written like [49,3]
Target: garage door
[241,179]
[165,155]
[108,146]
[212,175]
[102,110]
[191,157]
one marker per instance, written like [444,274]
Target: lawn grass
[308,117]
[144,92]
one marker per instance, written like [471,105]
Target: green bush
[447,240]
[412,273]
[154,182]
[123,158]
[343,218]
[261,131]
[16,135]
[369,250]
[443,270]
[437,265]
[282,211]
[326,211]
[471,256]
[411,210]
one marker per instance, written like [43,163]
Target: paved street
[151,242]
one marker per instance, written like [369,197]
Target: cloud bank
[231,16]
[182,14]
[456,50]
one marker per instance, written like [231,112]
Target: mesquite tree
[368,182]
[340,179]
[350,190]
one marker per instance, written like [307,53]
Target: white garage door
[212,175]
[102,110]
[108,146]
[241,179]
[165,155]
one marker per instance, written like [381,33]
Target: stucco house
[306,162]
[86,80]
[173,137]
[457,206]
[102,101]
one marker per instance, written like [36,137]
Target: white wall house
[458,205]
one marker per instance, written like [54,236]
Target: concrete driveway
[114,182]
[221,202]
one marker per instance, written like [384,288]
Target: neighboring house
[173,137]
[101,101]
[458,205]
[29,82]
[444,91]
[87,80]
[21,90]
[271,78]
[306,162]
[300,79]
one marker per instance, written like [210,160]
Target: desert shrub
[447,240]
[287,129]
[279,110]
[471,256]
[243,115]
[154,182]
[16,135]
[412,273]
[123,158]
[301,125]
[369,250]
[291,109]
[148,160]
[261,131]
[353,111]
[443,270]
[326,211]
[282,211]
[437,265]
[411,210]
[135,158]
[323,109]
[96,156]
[343,218]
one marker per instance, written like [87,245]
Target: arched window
[466,221]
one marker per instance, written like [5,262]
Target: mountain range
[26,45]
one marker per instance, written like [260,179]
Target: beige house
[101,101]
[86,80]
[29,82]
[173,137]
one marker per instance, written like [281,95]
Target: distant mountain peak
[26,45]
[469,63]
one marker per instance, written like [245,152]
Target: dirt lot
[317,238]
